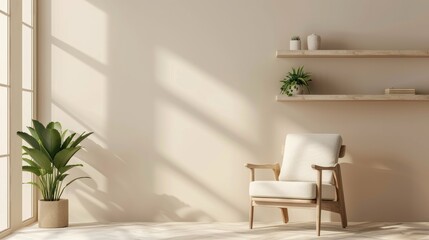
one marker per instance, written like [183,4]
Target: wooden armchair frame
[337,205]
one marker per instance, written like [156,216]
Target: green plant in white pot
[294,82]
[295,43]
[47,156]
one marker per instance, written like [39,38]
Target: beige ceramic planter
[295,45]
[54,214]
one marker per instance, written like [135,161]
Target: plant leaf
[33,133]
[68,167]
[55,125]
[40,158]
[32,169]
[62,177]
[51,140]
[74,180]
[67,141]
[31,162]
[58,127]
[62,157]
[38,127]
[80,139]
[63,135]
[50,125]
[29,139]
[40,131]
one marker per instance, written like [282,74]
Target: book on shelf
[400,91]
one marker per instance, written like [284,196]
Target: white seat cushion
[289,189]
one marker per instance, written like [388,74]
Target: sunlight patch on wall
[83,99]
[81,25]
[182,136]
[206,94]
[192,150]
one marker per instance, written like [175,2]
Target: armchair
[310,176]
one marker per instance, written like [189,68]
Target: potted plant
[294,82]
[295,43]
[47,156]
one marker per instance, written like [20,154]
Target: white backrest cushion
[303,150]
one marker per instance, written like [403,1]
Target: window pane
[27,57]
[4,192]
[27,189]
[4,36]
[27,12]
[3,5]
[27,110]
[27,196]
[4,118]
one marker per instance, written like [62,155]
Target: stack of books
[400,91]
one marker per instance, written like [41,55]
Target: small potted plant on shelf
[47,156]
[295,43]
[294,82]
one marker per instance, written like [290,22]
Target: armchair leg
[318,216]
[251,215]
[285,215]
[319,202]
[343,215]
[341,200]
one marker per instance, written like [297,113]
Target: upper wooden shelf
[352,53]
[386,97]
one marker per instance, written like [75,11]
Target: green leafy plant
[297,38]
[295,78]
[48,154]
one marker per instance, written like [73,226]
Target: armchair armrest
[275,167]
[262,166]
[320,168]
[336,170]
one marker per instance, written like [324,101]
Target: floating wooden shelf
[352,53]
[391,97]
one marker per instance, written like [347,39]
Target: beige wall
[180,94]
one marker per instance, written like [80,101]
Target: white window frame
[15,114]
[34,99]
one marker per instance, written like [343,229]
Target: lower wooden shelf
[384,97]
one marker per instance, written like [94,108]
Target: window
[17,94]
[4,114]
[27,98]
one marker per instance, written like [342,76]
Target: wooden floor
[406,231]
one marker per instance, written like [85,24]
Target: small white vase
[313,42]
[295,45]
